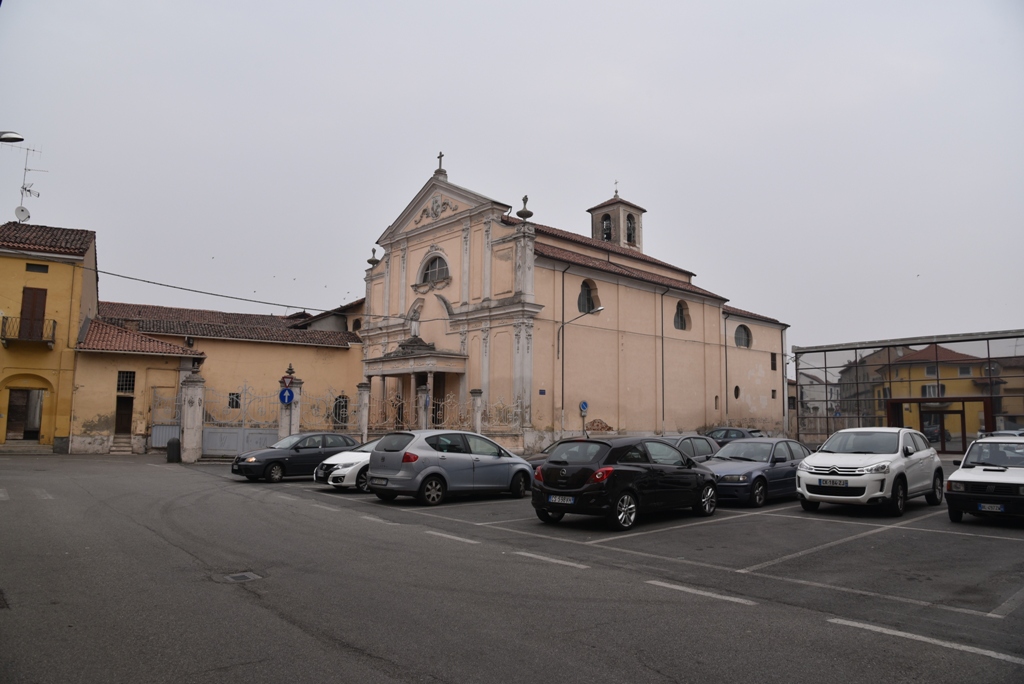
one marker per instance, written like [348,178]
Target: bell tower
[619,222]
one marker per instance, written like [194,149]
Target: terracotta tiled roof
[30,238]
[935,352]
[103,337]
[750,314]
[201,323]
[571,257]
[597,244]
[617,200]
[326,314]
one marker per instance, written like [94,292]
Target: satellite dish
[22,214]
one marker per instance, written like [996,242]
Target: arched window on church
[606,228]
[681,315]
[587,301]
[630,229]
[743,337]
[437,269]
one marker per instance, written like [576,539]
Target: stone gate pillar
[193,396]
[478,409]
[363,400]
[421,406]
[289,414]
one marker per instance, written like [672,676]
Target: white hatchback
[990,480]
[347,469]
[871,466]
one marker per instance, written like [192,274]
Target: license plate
[992,508]
[378,480]
[234,469]
[834,483]
[560,499]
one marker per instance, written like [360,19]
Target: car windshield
[862,443]
[577,452]
[396,441]
[287,442]
[367,446]
[1005,455]
[746,451]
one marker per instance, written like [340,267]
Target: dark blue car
[755,470]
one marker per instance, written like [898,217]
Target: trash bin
[174,450]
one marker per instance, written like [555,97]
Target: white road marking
[41,494]
[375,519]
[155,465]
[289,497]
[551,560]
[452,537]
[706,521]
[929,640]
[708,594]
[1009,605]
[3,495]
[502,522]
[326,508]
[822,547]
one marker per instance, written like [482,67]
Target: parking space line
[551,560]
[966,534]
[288,497]
[3,495]
[1009,605]
[373,518]
[706,521]
[326,508]
[691,590]
[40,494]
[452,537]
[822,547]
[929,640]
[502,522]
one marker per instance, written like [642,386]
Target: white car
[347,469]
[871,466]
[990,480]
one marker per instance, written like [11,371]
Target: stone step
[20,446]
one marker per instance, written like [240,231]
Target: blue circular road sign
[286,396]
[584,406]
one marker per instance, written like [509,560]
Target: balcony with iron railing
[43,330]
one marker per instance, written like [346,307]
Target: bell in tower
[619,222]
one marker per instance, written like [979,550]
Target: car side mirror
[778,459]
[908,451]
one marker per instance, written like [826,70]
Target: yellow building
[467,297]
[48,287]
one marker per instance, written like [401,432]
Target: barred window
[234,400]
[125,382]
[436,270]
[743,336]
[340,411]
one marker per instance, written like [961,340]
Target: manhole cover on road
[242,577]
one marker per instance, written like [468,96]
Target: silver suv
[428,464]
[871,466]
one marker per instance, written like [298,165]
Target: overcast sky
[854,169]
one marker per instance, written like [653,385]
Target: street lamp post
[558,352]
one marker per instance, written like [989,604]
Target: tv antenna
[21,212]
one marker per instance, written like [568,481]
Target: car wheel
[386,496]
[550,517]
[363,480]
[809,506]
[934,497]
[708,500]
[275,472]
[431,491]
[518,487]
[955,515]
[759,493]
[623,515]
[898,501]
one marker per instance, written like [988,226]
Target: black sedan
[724,435]
[617,478]
[292,456]
[697,447]
[754,470]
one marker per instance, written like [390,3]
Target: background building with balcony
[48,287]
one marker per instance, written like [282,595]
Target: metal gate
[165,416]
[240,421]
[330,411]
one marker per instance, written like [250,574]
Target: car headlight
[733,478]
[345,465]
[956,486]
[803,465]
[875,468]
[251,459]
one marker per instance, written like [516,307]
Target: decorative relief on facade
[424,288]
[437,207]
[463,342]
[519,333]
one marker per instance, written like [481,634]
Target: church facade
[553,332]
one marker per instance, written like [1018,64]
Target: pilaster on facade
[488,224]
[402,289]
[466,225]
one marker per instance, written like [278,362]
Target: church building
[554,332]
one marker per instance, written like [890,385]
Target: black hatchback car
[618,478]
[294,455]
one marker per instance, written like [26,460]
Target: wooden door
[17,413]
[123,417]
[33,312]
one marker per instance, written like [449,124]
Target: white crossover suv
[871,466]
